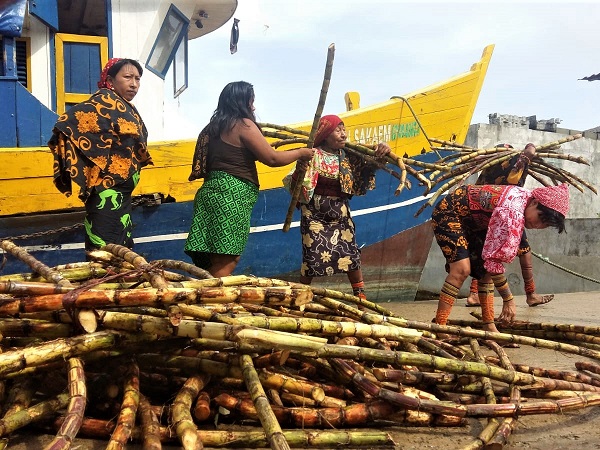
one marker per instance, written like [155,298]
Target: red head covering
[555,197]
[111,62]
[326,126]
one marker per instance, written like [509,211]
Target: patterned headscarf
[326,126]
[554,197]
[111,62]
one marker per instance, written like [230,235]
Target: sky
[393,47]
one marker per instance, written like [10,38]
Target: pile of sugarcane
[118,349]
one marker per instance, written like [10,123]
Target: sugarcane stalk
[255,439]
[156,279]
[414,377]
[285,128]
[75,410]
[450,144]
[58,349]
[327,402]
[37,266]
[32,328]
[129,407]
[440,191]
[202,410]
[280,295]
[557,175]
[209,330]
[186,267]
[558,142]
[181,412]
[288,142]
[150,425]
[297,187]
[359,414]
[327,328]
[499,337]
[566,157]
[570,177]
[25,288]
[337,295]
[38,412]
[488,391]
[267,418]
[476,410]
[19,396]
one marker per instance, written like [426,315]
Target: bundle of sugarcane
[464,161]
[118,348]
[285,136]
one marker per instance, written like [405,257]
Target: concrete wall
[577,250]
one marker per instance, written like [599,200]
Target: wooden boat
[394,243]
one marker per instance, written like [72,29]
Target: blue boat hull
[394,243]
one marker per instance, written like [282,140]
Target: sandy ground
[579,429]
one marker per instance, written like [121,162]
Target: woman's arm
[251,138]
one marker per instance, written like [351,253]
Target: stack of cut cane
[118,348]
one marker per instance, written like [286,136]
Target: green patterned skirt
[221,221]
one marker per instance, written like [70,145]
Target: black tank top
[237,161]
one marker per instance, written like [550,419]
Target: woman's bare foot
[536,299]
[490,327]
[473,299]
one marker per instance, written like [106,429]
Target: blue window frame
[172,31]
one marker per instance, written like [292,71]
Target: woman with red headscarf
[332,177]
[100,146]
[479,228]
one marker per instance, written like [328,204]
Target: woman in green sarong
[226,153]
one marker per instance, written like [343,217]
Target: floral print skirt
[328,238]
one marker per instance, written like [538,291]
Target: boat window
[85,18]
[172,31]
[180,73]
[22,50]
[22,57]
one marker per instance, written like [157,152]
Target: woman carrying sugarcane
[479,228]
[225,156]
[512,172]
[331,178]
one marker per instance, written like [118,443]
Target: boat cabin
[52,53]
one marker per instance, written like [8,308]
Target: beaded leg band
[448,296]
[486,299]
[527,272]
[501,284]
[473,288]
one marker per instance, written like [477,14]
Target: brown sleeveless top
[237,161]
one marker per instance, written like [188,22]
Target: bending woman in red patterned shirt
[479,228]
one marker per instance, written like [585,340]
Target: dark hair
[234,104]
[551,217]
[114,69]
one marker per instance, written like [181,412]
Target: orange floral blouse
[98,144]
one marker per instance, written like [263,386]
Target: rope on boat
[545,259]
[43,233]
[142,200]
